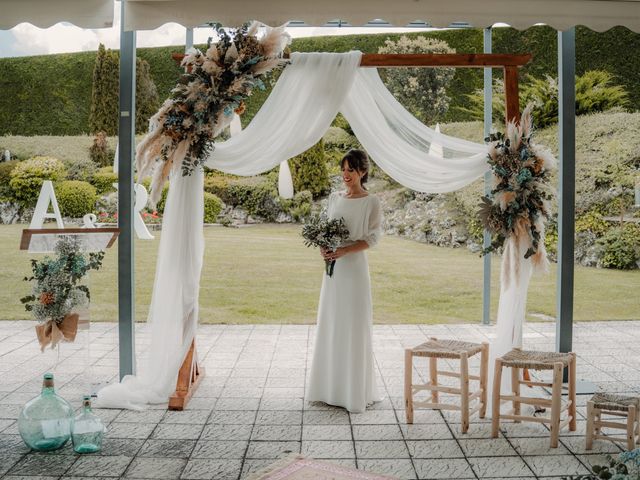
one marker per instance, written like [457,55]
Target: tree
[309,171]
[422,91]
[147,102]
[104,98]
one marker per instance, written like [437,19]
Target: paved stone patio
[250,408]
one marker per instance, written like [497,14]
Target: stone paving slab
[250,409]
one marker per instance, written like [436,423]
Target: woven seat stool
[450,349]
[518,360]
[616,406]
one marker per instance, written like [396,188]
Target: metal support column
[189,39]
[566,187]
[126,149]
[488,113]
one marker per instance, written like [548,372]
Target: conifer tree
[104,98]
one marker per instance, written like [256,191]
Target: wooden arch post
[191,371]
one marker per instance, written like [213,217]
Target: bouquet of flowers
[57,292]
[215,85]
[521,198]
[320,231]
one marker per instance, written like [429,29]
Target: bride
[342,371]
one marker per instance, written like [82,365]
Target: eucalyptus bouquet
[323,232]
[57,291]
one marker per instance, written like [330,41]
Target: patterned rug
[297,467]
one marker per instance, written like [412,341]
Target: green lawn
[264,274]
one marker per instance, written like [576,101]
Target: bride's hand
[340,252]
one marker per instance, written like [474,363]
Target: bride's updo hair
[358,160]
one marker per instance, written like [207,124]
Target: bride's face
[350,176]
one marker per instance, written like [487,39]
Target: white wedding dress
[342,371]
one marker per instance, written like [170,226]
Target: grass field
[264,274]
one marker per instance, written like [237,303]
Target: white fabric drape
[304,102]
[310,93]
[173,315]
[515,274]
[294,117]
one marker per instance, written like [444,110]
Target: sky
[26,39]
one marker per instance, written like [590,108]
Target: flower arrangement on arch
[520,201]
[214,86]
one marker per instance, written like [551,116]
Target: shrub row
[258,196]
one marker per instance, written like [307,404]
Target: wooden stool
[435,349]
[618,406]
[518,359]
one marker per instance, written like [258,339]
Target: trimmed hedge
[104,179]
[61,106]
[27,177]
[75,198]
[212,207]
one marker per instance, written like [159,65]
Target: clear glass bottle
[88,430]
[45,421]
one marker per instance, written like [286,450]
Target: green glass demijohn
[45,421]
[88,430]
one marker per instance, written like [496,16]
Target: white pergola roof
[150,14]
[45,13]
[561,14]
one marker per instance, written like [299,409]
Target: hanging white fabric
[310,93]
[173,315]
[297,113]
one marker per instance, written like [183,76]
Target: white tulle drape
[173,314]
[310,93]
[304,102]
[515,274]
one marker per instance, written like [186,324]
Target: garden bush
[27,177]
[217,185]
[422,91]
[595,92]
[75,198]
[163,198]
[212,207]
[621,247]
[6,193]
[337,137]
[309,171]
[300,205]
[257,195]
[83,169]
[262,201]
[593,222]
[99,151]
[104,179]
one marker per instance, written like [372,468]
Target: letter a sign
[41,213]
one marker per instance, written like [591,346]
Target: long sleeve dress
[342,370]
